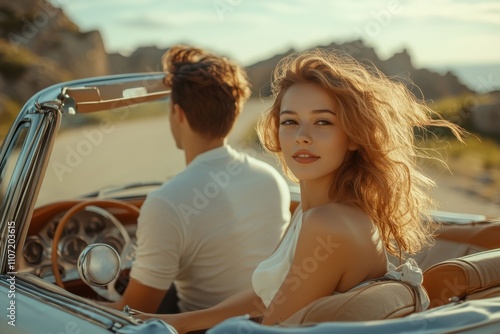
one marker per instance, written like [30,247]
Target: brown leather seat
[378,300]
[468,277]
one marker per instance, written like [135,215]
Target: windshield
[110,148]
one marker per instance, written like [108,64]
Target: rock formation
[422,82]
[40,46]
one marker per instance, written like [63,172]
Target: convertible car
[75,168]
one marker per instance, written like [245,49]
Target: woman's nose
[303,135]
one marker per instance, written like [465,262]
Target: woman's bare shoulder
[335,216]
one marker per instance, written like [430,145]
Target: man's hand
[139,297]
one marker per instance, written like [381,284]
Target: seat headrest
[457,278]
[368,302]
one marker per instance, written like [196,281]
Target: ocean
[482,78]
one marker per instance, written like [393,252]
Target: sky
[436,33]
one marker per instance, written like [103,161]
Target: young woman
[345,133]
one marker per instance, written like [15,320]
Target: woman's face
[313,143]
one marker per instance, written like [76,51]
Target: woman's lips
[303,157]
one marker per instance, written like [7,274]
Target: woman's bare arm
[243,303]
[321,258]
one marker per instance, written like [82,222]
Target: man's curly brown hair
[210,89]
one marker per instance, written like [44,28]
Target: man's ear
[178,113]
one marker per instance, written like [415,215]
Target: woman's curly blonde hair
[380,116]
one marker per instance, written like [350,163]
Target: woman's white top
[270,273]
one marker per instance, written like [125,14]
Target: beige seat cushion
[375,301]
[469,277]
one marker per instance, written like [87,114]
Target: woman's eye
[288,122]
[324,122]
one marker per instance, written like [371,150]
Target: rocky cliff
[40,46]
[422,82]
[143,59]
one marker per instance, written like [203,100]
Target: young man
[209,227]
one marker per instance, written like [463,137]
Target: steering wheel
[108,292]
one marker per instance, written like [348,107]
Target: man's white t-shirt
[210,226]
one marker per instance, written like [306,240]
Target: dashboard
[90,225]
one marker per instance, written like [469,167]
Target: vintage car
[75,168]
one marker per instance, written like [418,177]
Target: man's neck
[198,146]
